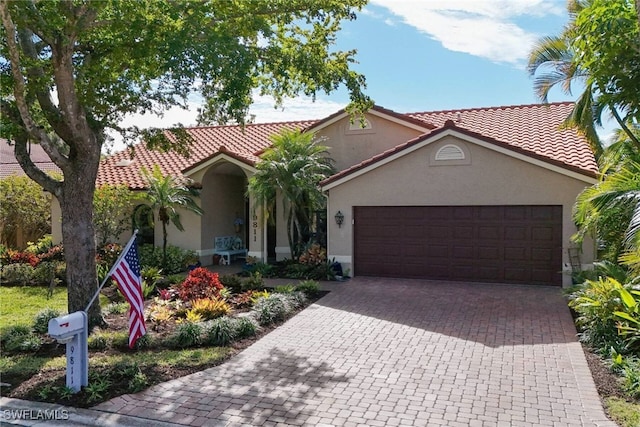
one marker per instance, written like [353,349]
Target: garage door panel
[516,254]
[492,232]
[518,244]
[462,252]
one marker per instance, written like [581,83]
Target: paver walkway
[387,352]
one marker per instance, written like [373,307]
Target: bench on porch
[228,247]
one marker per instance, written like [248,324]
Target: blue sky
[423,55]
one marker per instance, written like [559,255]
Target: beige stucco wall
[350,147]
[489,178]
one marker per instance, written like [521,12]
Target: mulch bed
[29,387]
[607,383]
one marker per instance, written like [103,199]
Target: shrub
[117,308]
[245,327]
[313,255]
[41,320]
[221,331]
[296,299]
[210,308]
[284,289]
[200,283]
[231,281]
[253,282]
[97,341]
[595,302]
[309,287]
[242,300]
[264,269]
[17,274]
[44,273]
[108,254]
[41,246]
[186,335]
[257,295]
[54,253]
[270,309]
[17,257]
[176,262]
[20,339]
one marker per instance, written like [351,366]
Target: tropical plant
[629,327]
[41,320]
[210,308]
[111,212]
[595,302]
[167,195]
[104,60]
[292,169]
[616,196]
[593,49]
[553,63]
[200,283]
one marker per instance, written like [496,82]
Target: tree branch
[19,90]
[51,112]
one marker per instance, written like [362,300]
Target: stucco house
[482,194]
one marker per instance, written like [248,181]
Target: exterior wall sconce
[339,217]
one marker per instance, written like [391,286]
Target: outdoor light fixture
[339,219]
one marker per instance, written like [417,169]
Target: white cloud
[482,28]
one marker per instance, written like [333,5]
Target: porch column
[257,227]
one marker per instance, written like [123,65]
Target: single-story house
[481,194]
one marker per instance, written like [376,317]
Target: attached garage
[511,244]
[486,196]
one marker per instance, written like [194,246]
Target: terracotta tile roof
[534,128]
[9,165]
[240,143]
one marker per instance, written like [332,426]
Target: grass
[626,414]
[20,304]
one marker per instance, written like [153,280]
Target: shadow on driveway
[492,314]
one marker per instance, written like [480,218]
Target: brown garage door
[512,244]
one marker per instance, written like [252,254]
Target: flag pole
[123,253]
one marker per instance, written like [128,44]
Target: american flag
[126,273]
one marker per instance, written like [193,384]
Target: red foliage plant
[200,283]
[15,257]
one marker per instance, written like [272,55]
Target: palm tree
[552,63]
[611,208]
[292,168]
[166,195]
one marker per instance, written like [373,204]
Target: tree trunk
[164,245]
[78,234]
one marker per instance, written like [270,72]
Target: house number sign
[255,228]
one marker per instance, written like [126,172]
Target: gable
[455,137]
[350,144]
[485,177]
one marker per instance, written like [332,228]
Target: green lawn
[19,304]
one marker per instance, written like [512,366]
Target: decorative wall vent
[450,152]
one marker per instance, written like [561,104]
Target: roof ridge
[494,107]
[251,124]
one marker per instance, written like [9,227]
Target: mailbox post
[72,330]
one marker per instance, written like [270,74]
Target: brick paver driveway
[386,352]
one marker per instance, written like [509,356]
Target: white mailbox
[73,330]
[63,328]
